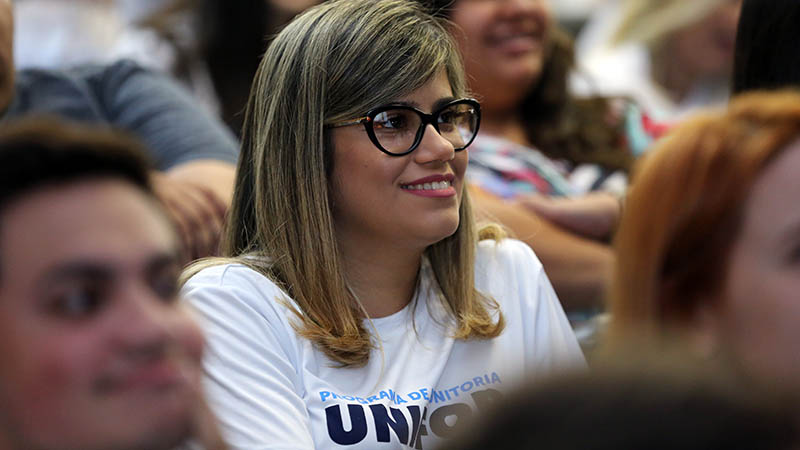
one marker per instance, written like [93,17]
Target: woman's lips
[431,186]
[518,44]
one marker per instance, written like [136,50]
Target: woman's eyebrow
[409,103]
[436,105]
[442,101]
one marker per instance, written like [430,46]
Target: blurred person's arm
[197,195]
[579,268]
[194,152]
[594,215]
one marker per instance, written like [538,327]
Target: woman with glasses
[357,306]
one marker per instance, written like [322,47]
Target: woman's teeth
[428,186]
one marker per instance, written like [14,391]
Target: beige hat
[649,21]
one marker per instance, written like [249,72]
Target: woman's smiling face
[503,43]
[411,200]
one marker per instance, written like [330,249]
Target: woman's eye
[447,120]
[455,117]
[390,121]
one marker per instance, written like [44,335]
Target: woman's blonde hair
[684,209]
[333,63]
[650,21]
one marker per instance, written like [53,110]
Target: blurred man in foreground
[96,351]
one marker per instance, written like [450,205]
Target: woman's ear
[697,316]
[705,328]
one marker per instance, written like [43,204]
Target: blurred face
[6,53]
[411,200]
[706,47]
[759,310]
[503,44]
[95,350]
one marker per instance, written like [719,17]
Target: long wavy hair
[684,210]
[332,63]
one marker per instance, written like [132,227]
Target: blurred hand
[197,212]
[594,215]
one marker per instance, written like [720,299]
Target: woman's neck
[383,279]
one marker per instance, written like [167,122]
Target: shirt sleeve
[250,363]
[162,114]
[552,326]
[530,303]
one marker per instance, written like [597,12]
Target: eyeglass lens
[397,129]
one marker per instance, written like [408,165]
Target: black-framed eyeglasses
[397,129]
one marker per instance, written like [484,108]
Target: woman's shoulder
[244,315]
[508,267]
[509,271]
[507,254]
[229,274]
[235,285]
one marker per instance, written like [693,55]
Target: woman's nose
[433,147]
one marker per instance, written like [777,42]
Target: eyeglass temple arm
[349,122]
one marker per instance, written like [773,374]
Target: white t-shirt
[272,389]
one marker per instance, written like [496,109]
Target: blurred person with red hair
[709,242]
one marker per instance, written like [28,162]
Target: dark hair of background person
[559,124]
[638,405]
[40,152]
[232,37]
[767,50]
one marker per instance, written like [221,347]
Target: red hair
[684,207]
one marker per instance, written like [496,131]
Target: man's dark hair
[40,152]
[766,46]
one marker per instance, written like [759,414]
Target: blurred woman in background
[709,243]
[537,138]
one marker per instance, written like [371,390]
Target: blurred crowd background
[561,134]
